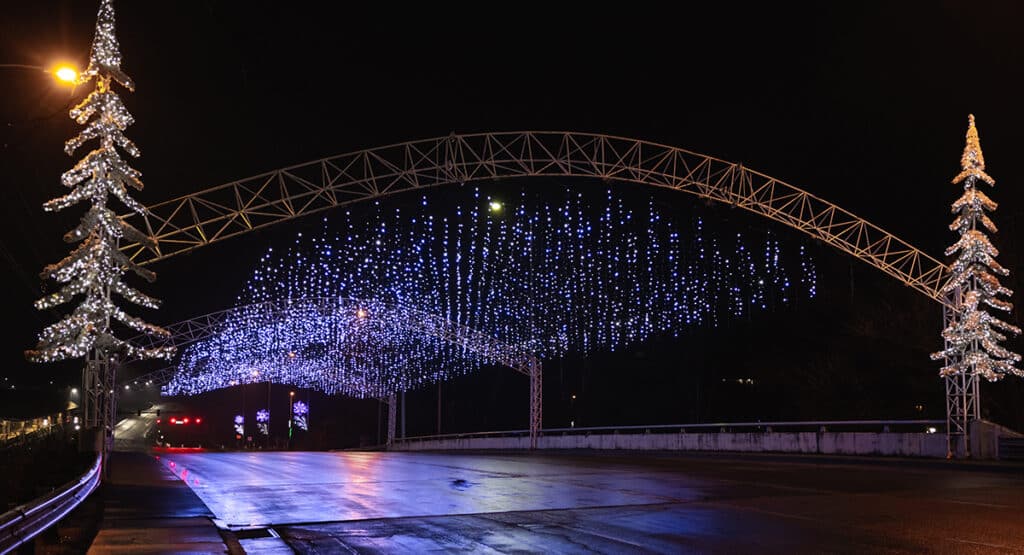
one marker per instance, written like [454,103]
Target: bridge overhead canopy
[355,347]
[189,222]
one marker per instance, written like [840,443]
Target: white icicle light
[972,339]
[94,269]
[355,310]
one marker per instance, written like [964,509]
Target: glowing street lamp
[66,73]
[63,73]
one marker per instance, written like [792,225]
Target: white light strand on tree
[94,269]
[973,336]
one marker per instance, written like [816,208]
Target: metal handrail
[23,523]
[715,426]
[782,424]
[29,427]
[501,433]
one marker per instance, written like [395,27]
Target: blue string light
[580,275]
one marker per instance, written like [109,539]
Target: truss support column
[99,411]
[392,418]
[963,403]
[962,406]
[536,401]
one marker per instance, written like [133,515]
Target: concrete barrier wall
[985,438]
[833,443]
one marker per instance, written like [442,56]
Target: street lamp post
[291,416]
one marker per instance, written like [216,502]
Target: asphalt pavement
[317,502]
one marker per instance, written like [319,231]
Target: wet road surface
[559,503]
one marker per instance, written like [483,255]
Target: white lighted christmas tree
[93,272]
[973,337]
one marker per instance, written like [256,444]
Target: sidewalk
[147,509]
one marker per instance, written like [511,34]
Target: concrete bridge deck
[605,503]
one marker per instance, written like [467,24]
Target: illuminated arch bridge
[235,208]
[232,209]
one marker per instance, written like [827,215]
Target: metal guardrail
[23,523]
[925,426]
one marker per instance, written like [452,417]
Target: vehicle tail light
[199,420]
[186,420]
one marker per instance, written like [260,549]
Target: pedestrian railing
[922,426]
[14,432]
[21,524]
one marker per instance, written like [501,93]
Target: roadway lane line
[997,546]
[993,505]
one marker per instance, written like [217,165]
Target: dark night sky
[863,104]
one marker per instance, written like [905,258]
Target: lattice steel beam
[192,221]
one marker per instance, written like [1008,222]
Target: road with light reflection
[605,503]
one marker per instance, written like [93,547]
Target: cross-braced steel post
[536,401]
[392,418]
[99,410]
[962,399]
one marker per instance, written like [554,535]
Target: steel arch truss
[238,207]
[487,348]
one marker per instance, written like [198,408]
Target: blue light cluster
[263,421]
[579,275]
[300,411]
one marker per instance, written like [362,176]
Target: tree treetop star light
[972,338]
[94,269]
